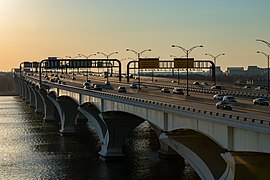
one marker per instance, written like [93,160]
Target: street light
[138,54]
[86,57]
[267,43]
[107,57]
[215,57]
[267,68]
[187,51]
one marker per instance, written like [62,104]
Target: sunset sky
[32,30]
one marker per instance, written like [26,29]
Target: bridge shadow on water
[141,157]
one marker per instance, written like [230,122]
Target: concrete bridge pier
[120,125]
[203,154]
[69,109]
[32,97]
[20,87]
[48,106]
[38,102]
[23,90]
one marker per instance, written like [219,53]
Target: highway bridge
[218,144]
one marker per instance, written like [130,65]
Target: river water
[33,149]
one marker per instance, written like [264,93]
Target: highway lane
[199,95]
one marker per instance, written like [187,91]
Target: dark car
[86,85]
[122,89]
[133,86]
[229,99]
[97,87]
[224,105]
[165,90]
[261,101]
[177,90]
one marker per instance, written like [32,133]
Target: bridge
[217,144]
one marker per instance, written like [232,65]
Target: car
[173,81]
[133,86]
[122,89]
[86,85]
[63,82]
[165,90]
[196,83]
[97,87]
[261,101]
[52,80]
[178,90]
[73,78]
[218,96]
[260,88]
[229,99]
[246,87]
[217,88]
[224,105]
[204,84]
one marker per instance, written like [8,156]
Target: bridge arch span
[200,151]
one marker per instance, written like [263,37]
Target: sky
[32,30]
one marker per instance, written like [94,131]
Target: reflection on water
[32,149]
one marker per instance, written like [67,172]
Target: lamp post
[187,51]
[267,43]
[107,57]
[82,55]
[267,56]
[138,54]
[215,59]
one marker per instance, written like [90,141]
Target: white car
[218,96]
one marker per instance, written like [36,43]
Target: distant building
[255,70]
[235,71]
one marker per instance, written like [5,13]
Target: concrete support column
[32,97]
[38,102]
[48,106]
[27,93]
[23,88]
[20,87]
[69,112]
[119,124]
